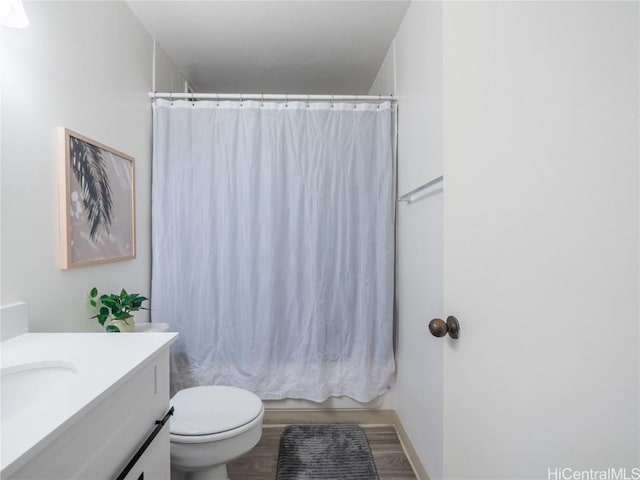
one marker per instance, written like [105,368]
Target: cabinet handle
[159,424]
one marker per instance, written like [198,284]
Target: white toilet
[210,427]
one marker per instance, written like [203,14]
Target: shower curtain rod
[268,96]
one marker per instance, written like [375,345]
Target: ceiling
[321,47]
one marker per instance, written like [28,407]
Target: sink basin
[31,386]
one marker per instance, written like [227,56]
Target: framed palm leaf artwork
[97,203]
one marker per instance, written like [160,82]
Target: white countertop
[103,361]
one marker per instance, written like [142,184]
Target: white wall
[385,81]
[541,142]
[86,66]
[417,58]
[167,77]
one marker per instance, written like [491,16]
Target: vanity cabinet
[100,441]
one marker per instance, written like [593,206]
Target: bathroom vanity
[81,405]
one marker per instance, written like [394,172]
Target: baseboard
[305,416]
[356,416]
[412,455]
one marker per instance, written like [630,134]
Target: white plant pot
[126,325]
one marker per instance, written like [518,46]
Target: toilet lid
[212,409]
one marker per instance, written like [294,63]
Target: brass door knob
[439,328]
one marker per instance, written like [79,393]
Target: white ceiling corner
[301,46]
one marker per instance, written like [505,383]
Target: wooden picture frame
[97,202]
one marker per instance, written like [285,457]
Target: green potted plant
[115,310]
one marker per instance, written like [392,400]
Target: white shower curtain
[273,246]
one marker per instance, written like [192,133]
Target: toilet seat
[211,413]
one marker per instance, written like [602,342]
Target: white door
[541,247]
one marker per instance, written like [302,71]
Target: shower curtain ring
[262,99]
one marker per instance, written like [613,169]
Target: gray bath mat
[325,452]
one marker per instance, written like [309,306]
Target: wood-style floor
[260,463]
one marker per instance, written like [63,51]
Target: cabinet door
[154,463]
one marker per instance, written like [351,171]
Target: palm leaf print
[88,165]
